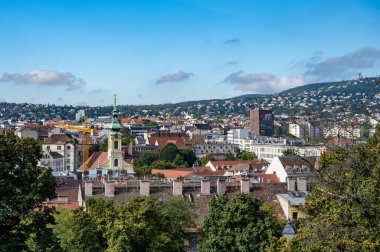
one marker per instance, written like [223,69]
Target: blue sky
[150,52]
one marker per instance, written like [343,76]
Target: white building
[52,159]
[65,145]
[348,132]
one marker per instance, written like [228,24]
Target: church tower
[115,155]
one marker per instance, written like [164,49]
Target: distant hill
[328,99]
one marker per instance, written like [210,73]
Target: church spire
[115,125]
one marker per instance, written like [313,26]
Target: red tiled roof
[172,173]
[67,188]
[211,173]
[58,138]
[96,159]
[234,162]
[162,141]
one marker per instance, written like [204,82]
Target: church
[111,162]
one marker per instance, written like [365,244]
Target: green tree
[240,224]
[151,124]
[204,160]
[146,219]
[104,145]
[230,156]
[23,187]
[247,155]
[145,159]
[343,206]
[290,152]
[277,131]
[179,161]
[168,152]
[188,156]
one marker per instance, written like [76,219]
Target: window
[116,163]
[59,147]
[68,160]
[295,215]
[116,145]
[68,167]
[68,147]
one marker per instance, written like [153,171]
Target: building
[215,150]
[65,145]
[261,122]
[293,166]
[298,130]
[52,159]
[111,162]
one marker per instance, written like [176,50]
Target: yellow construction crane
[86,131]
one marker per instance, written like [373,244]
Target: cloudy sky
[150,52]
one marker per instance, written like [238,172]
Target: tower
[261,122]
[115,155]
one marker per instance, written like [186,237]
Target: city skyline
[150,52]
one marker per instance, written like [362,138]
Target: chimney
[221,186]
[244,186]
[144,187]
[302,184]
[109,189]
[291,184]
[87,188]
[205,187]
[177,187]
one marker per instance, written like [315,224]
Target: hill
[319,99]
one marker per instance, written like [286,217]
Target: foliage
[23,188]
[204,160]
[159,164]
[343,206]
[247,155]
[277,131]
[230,156]
[289,152]
[151,124]
[240,224]
[168,152]
[104,145]
[145,159]
[143,224]
[188,156]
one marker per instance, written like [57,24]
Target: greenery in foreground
[239,224]
[143,224]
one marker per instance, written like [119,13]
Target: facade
[261,122]
[348,132]
[293,166]
[65,145]
[215,150]
[52,159]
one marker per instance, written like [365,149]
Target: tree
[179,161]
[188,156]
[277,131]
[146,219]
[230,156]
[168,152]
[204,160]
[289,152]
[241,224]
[104,145]
[146,159]
[152,124]
[23,188]
[343,205]
[247,155]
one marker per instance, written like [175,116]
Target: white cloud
[263,83]
[45,78]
